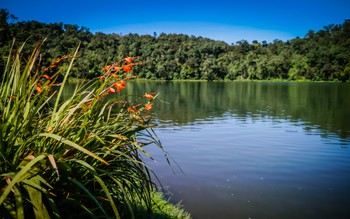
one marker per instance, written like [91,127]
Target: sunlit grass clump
[73,157]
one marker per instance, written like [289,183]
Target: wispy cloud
[227,33]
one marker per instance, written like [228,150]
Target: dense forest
[322,55]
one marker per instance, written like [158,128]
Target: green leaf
[108,194]
[35,196]
[19,175]
[89,194]
[74,145]
[63,84]
[19,203]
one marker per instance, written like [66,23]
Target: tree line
[322,55]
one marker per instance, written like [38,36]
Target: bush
[78,156]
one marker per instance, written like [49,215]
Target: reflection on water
[254,150]
[323,106]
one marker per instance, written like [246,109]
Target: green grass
[162,209]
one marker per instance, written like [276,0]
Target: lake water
[259,150]
[254,149]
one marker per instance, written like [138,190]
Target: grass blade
[108,194]
[80,185]
[74,145]
[26,169]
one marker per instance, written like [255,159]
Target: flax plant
[81,156]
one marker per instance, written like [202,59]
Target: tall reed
[73,157]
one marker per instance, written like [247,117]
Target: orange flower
[47,77]
[149,106]
[132,109]
[53,66]
[127,68]
[102,78]
[106,68]
[128,59]
[116,68]
[59,59]
[120,85]
[38,88]
[89,103]
[114,75]
[46,69]
[111,90]
[149,96]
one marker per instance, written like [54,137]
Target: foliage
[162,209]
[78,156]
[324,54]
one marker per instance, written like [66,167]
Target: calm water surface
[254,149]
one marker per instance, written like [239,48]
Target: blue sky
[225,20]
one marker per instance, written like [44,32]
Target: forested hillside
[322,55]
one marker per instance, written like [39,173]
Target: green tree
[299,68]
